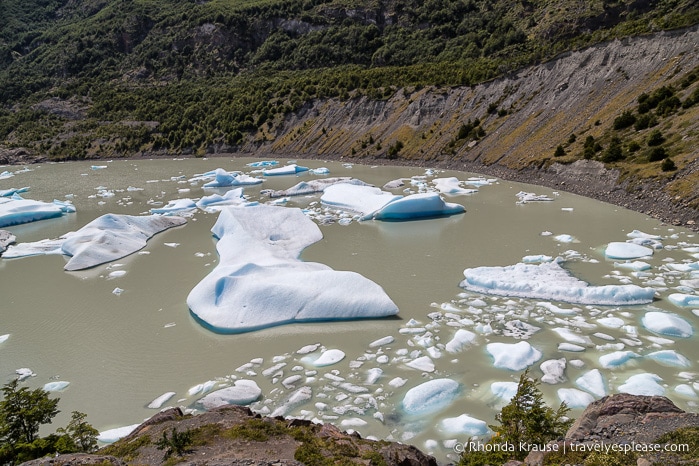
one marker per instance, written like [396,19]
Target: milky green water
[121,352]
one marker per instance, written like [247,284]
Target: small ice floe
[462,339]
[430,397]
[574,398]
[3,338]
[531,197]
[536,259]
[116,274]
[98,167]
[643,384]
[552,282]
[669,358]
[201,388]
[685,390]
[319,171]
[513,356]
[617,358]
[565,238]
[295,399]
[224,179]
[463,425]
[636,266]
[56,386]
[117,291]
[684,300]
[387,340]
[554,371]
[451,185]
[112,435]
[177,206]
[593,382]
[290,169]
[624,251]
[161,400]
[263,163]
[423,364]
[665,323]
[15,211]
[504,391]
[242,392]
[328,358]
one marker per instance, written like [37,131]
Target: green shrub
[668,165]
[655,138]
[178,442]
[624,120]
[656,154]
[560,151]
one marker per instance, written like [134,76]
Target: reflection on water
[121,352]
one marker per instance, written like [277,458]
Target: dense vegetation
[125,76]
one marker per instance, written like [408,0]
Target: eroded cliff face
[544,105]
[524,116]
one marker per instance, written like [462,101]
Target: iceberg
[6,238]
[12,191]
[550,281]
[669,358]
[224,179]
[462,338]
[616,359]
[177,206]
[418,206]
[56,386]
[451,185]
[15,211]
[574,398]
[504,390]
[364,200]
[216,201]
[513,356]
[684,300]
[619,250]
[242,392]
[104,239]
[643,384]
[329,357]
[161,400]
[554,371]
[112,435]
[593,382]
[263,163]
[312,186]
[430,397]
[260,281]
[297,398]
[463,425]
[665,323]
[290,169]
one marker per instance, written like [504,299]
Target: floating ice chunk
[531,197]
[216,201]
[640,234]
[161,400]
[364,200]
[373,375]
[611,322]
[329,357]
[56,386]
[353,422]
[260,281]
[462,338]
[669,358]
[514,357]
[593,382]
[424,364]
[112,435]
[15,210]
[263,163]
[177,206]
[418,206]
[572,337]
[665,323]
[116,274]
[574,398]
[308,348]
[201,388]
[685,390]
[224,179]
[618,250]
[243,392]
[504,390]
[6,239]
[3,338]
[570,347]
[536,259]
[564,238]
[430,397]
[382,341]
[397,382]
[12,191]
[290,169]
[65,206]
[684,300]
[463,425]
[554,371]
[117,291]
[643,384]
[616,359]
[312,186]
[24,373]
[319,171]
[451,185]
[296,398]
[550,281]
[636,266]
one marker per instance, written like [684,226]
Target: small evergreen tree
[668,165]
[23,411]
[560,151]
[177,442]
[79,436]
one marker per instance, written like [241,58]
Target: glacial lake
[121,351]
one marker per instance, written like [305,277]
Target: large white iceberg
[418,206]
[242,392]
[215,202]
[431,396]
[550,281]
[312,186]
[15,210]
[260,281]
[290,169]
[643,384]
[104,239]
[223,179]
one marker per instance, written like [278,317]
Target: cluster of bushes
[23,412]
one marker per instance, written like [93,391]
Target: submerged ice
[260,281]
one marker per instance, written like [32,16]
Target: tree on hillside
[23,411]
